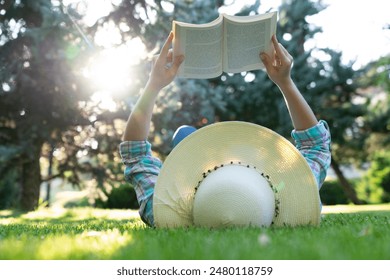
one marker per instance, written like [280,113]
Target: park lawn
[86,233]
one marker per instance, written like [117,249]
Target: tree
[375,184]
[45,106]
[39,94]
[376,81]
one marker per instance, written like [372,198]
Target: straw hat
[235,174]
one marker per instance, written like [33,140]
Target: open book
[228,44]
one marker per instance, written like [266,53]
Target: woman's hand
[279,66]
[165,68]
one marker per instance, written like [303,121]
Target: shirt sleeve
[141,171]
[314,145]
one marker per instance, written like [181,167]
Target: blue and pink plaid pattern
[314,145]
[141,171]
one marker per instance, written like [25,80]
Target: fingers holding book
[166,57]
[278,66]
[166,65]
[282,56]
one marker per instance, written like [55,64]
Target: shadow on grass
[10,214]
[66,221]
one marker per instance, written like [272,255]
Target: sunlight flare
[104,101]
[111,69]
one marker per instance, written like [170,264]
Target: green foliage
[39,93]
[375,185]
[331,193]
[376,81]
[8,189]
[328,85]
[109,234]
[77,203]
[45,106]
[122,197]
[377,73]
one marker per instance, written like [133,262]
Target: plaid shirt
[142,168]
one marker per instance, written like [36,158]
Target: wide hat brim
[295,187]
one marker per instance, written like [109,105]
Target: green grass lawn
[358,233]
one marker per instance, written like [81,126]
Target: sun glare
[111,69]
[104,101]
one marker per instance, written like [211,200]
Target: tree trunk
[49,174]
[347,187]
[30,182]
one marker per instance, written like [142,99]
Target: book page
[245,38]
[201,45]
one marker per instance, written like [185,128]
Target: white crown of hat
[234,195]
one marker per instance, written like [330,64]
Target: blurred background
[71,72]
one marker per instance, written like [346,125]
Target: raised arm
[279,71]
[163,73]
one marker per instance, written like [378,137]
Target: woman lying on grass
[229,173]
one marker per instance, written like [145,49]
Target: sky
[354,27]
